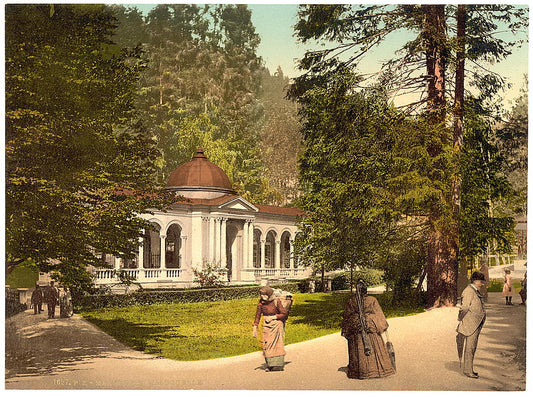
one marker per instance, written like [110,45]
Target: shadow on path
[39,346]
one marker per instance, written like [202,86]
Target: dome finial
[199,154]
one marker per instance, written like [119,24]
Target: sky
[274,23]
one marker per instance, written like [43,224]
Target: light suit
[471,318]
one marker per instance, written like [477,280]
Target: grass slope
[200,331]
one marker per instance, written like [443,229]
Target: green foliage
[199,87]
[372,178]
[206,330]
[70,141]
[149,297]
[24,275]
[483,184]
[210,275]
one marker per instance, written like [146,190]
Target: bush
[149,297]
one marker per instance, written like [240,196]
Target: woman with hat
[274,316]
[508,287]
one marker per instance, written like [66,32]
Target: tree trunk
[458,115]
[442,264]
[434,34]
[442,269]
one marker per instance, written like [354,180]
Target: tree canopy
[70,142]
[431,63]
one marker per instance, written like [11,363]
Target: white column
[196,239]
[163,260]
[262,253]
[140,259]
[251,244]
[291,254]
[245,231]
[277,253]
[216,258]
[183,251]
[212,239]
[223,258]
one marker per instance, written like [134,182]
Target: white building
[211,224]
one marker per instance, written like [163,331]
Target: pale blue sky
[274,23]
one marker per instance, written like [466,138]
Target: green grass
[200,331]
[496,285]
[23,276]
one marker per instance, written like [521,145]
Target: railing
[111,275]
[262,272]
[173,273]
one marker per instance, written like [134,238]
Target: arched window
[285,250]
[257,249]
[173,247]
[152,247]
[270,249]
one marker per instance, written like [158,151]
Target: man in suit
[471,318]
[51,297]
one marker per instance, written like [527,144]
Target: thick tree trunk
[458,114]
[443,241]
[442,268]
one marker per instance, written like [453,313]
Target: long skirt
[273,343]
[377,365]
[507,290]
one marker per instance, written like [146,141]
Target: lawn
[200,331]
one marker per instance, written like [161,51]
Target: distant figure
[367,354]
[37,299]
[472,315]
[523,291]
[51,297]
[65,303]
[508,288]
[274,315]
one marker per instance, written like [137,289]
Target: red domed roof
[199,172]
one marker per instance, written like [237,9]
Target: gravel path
[74,354]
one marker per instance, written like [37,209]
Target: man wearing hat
[471,318]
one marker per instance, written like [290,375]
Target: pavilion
[211,224]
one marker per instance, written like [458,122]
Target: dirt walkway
[73,354]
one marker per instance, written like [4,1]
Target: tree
[71,142]
[423,66]
[280,142]
[367,180]
[200,88]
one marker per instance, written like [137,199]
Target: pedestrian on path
[65,303]
[37,299]
[508,288]
[274,316]
[472,315]
[363,322]
[51,297]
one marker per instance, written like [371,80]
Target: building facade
[211,224]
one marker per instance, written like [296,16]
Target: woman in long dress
[508,288]
[377,363]
[274,316]
[65,303]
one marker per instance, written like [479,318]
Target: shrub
[210,275]
[149,297]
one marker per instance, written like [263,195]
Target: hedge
[143,297]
